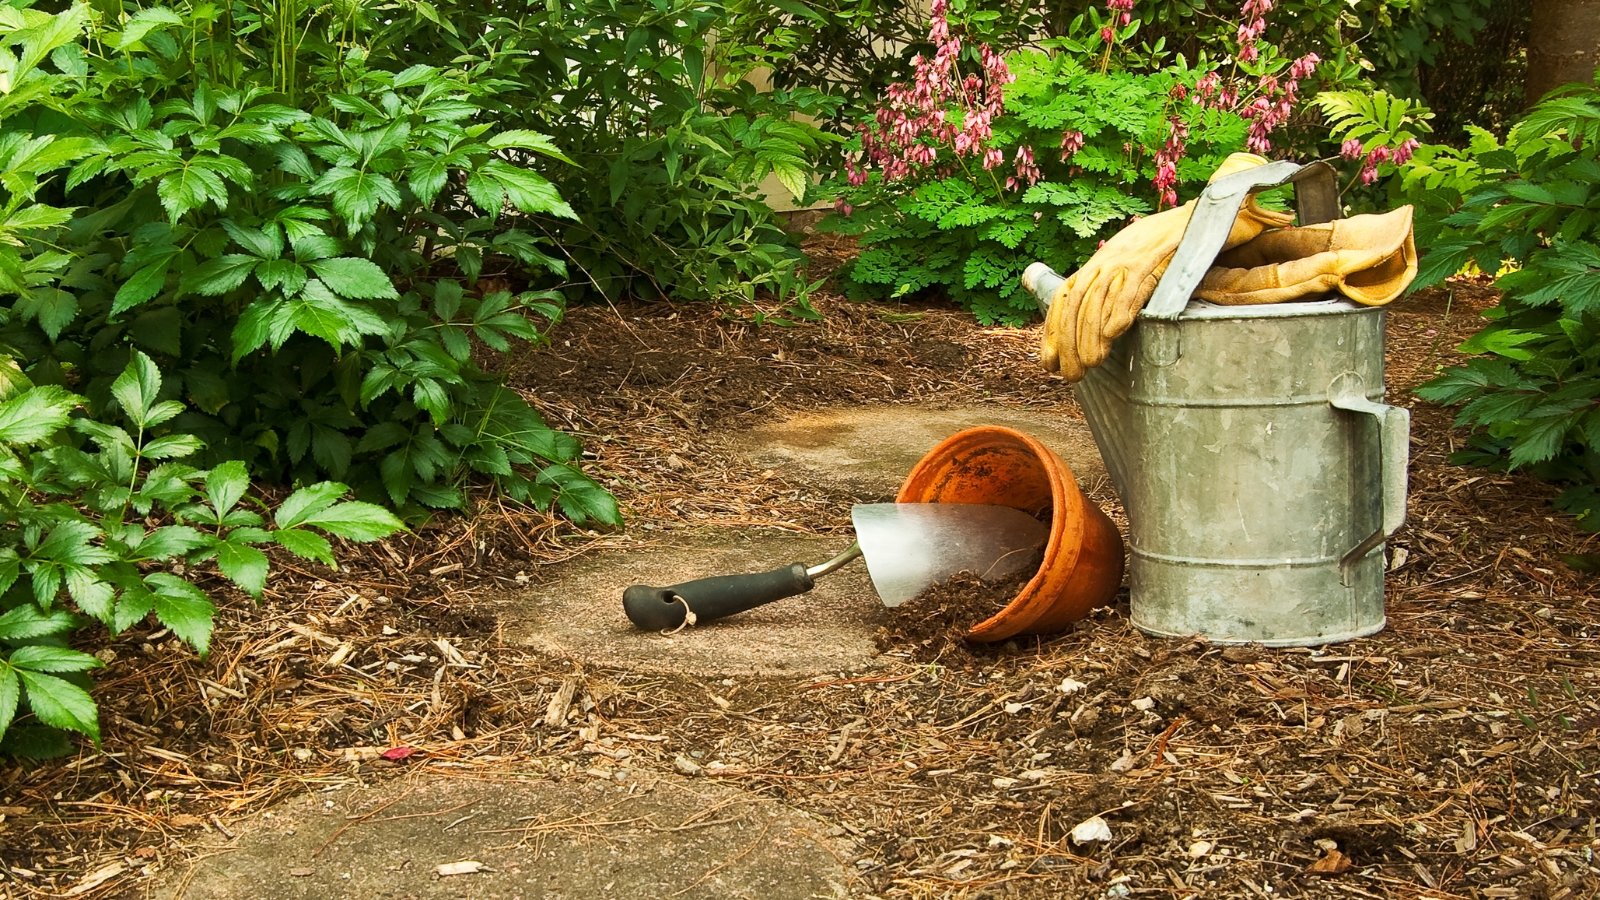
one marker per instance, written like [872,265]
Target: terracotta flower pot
[1083,559]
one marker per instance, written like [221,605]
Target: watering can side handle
[662,608]
[1394,452]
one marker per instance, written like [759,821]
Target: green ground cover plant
[103,524]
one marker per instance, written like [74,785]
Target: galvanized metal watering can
[1260,469]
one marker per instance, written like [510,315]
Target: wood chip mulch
[1455,754]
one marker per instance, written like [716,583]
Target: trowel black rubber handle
[660,608]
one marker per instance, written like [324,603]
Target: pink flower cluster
[1274,102]
[1377,156]
[1166,180]
[1121,14]
[1252,24]
[1071,143]
[1274,97]
[1027,170]
[941,109]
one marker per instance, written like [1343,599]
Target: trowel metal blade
[911,546]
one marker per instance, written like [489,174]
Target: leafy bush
[105,522]
[1462,57]
[1529,211]
[308,243]
[668,141]
[965,178]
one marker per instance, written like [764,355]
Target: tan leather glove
[1101,300]
[1370,259]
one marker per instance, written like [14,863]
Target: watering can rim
[1202,309]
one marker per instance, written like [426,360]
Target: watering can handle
[1394,452]
[1214,213]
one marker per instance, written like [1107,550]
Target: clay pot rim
[1067,522]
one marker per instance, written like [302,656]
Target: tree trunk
[1563,45]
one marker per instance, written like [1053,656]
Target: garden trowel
[908,548]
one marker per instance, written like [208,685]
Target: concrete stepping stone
[577,612]
[658,836]
[868,450]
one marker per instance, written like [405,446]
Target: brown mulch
[1452,755]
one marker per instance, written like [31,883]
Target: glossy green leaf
[61,704]
[35,414]
[244,565]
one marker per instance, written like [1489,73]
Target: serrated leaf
[71,541]
[28,622]
[226,484]
[357,279]
[221,275]
[40,658]
[321,313]
[526,140]
[356,194]
[173,446]
[189,189]
[142,23]
[171,541]
[264,321]
[36,414]
[93,596]
[1540,440]
[10,697]
[53,308]
[428,178]
[414,75]
[137,387]
[285,275]
[526,189]
[307,502]
[265,242]
[183,608]
[161,412]
[579,496]
[136,602]
[244,565]
[305,544]
[10,569]
[61,704]
[142,287]
[356,521]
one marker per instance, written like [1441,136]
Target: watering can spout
[1042,281]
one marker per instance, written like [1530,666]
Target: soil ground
[1452,755]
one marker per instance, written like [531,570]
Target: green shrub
[104,522]
[1527,210]
[668,142]
[299,236]
[1462,57]
[980,165]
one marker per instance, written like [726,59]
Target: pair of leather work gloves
[1369,259]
